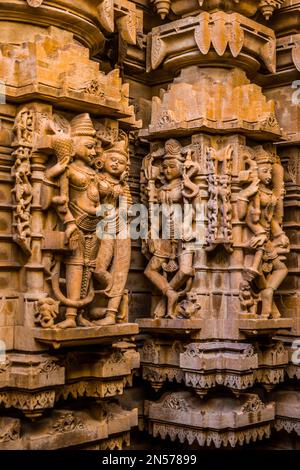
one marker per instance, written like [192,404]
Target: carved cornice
[266,7]
[212,38]
[80,17]
[100,426]
[222,417]
[206,438]
[174,112]
[78,82]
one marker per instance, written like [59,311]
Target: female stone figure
[177,189]
[260,206]
[81,190]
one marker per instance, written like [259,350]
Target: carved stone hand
[57,169]
[250,190]
[258,240]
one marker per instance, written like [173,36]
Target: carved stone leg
[73,280]
[104,258]
[273,282]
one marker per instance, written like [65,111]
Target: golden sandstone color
[149,184]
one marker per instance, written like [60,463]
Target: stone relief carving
[266,7]
[168,179]
[260,205]
[89,173]
[22,193]
[66,422]
[219,208]
[35,3]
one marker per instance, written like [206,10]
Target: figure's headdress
[120,147]
[262,156]
[82,126]
[173,150]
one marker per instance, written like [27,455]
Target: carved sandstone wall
[192,103]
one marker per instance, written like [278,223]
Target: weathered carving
[65,423]
[46,312]
[116,443]
[219,203]
[34,3]
[22,192]
[77,186]
[267,7]
[205,438]
[10,429]
[216,33]
[260,205]
[169,180]
[216,92]
[32,404]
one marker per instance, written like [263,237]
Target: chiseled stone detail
[206,438]
[31,403]
[104,102]
[10,429]
[115,443]
[218,420]
[173,111]
[91,388]
[64,138]
[212,33]
[288,425]
[247,8]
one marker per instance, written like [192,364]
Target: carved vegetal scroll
[22,192]
[219,208]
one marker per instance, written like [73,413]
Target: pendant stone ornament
[34,3]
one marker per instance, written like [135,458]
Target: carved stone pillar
[217,312]
[59,284]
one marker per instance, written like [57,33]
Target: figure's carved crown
[120,147]
[82,126]
[262,156]
[173,150]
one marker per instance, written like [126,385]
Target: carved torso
[170,193]
[109,189]
[263,206]
[84,190]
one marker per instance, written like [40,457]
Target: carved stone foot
[109,319]
[160,309]
[68,323]
[81,321]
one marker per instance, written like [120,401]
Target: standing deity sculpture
[77,186]
[168,175]
[260,206]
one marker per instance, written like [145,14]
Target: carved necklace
[90,184]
